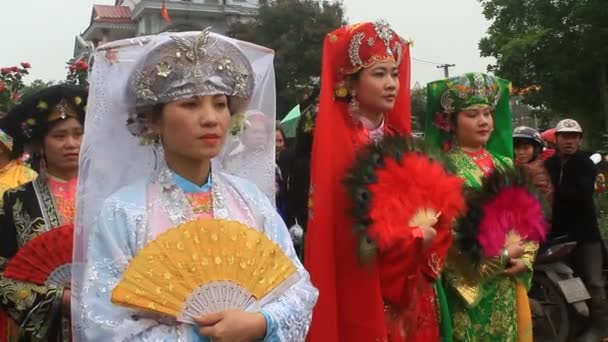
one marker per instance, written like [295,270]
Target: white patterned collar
[375,133]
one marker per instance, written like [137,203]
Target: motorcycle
[557,297]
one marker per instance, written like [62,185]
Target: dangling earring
[158,151]
[41,164]
[353,106]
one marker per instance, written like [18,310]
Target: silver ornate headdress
[187,66]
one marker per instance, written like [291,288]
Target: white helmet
[568,125]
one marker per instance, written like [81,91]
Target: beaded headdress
[188,66]
[367,44]
[31,119]
[450,96]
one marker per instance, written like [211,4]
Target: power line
[423,61]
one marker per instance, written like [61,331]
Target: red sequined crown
[367,43]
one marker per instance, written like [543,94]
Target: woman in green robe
[469,117]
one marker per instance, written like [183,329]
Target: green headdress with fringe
[447,97]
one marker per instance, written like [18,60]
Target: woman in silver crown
[181,91]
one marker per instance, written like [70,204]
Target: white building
[130,18]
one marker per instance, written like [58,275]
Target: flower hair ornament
[41,113]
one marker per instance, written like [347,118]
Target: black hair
[29,121]
[298,172]
[280,130]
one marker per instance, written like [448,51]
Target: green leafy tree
[295,30]
[35,86]
[559,45]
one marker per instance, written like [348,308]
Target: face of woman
[524,152]
[194,128]
[61,145]
[377,88]
[279,141]
[255,136]
[474,127]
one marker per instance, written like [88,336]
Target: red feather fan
[408,188]
[46,259]
[395,188]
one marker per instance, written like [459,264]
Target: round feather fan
[505,209]
[395,186]
[205,266]
[44,260]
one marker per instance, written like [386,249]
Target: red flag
[164,12]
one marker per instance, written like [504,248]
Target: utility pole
[446,69]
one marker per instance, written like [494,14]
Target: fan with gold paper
[205,266]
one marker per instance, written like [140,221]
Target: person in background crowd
[282,159]
[298,171]
[254,144]
[573,175]
[51,122]
[602,167]
[548,137]
[280,141]
[528,146]
[12,171]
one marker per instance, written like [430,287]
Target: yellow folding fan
[205,266]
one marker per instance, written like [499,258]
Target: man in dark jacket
[573,175]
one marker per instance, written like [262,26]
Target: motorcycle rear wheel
[554,321]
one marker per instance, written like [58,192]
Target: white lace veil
[112,157]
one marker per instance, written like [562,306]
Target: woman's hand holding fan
[425,220]
[503,214]
[66,303]
[233,325]
[515,267]
[204,267]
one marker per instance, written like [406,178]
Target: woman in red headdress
[365,96]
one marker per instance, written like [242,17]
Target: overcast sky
[444,31]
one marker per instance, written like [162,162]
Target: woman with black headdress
[50,124]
